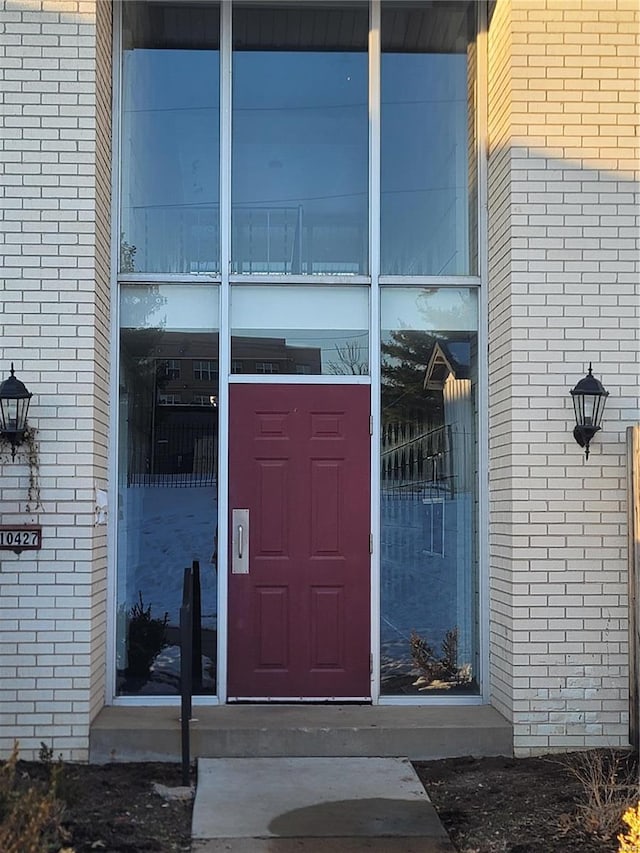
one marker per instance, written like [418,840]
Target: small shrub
[146,638]
[30,814]
[609,782]
[439,668]
[630,841]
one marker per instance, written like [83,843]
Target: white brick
[573,178]
[50,140]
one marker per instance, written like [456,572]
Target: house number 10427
[19,538]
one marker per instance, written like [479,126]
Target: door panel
[299,620]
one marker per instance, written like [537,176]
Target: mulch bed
[488,805]
[524,805]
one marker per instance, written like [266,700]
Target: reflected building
[262,356]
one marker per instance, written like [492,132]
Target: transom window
[300,139]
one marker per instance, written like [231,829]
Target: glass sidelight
[429,506]
[167,481]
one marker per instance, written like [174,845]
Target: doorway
[299,516]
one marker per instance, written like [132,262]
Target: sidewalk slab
[288,804]
[324,845]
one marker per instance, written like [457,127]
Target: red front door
[299,574]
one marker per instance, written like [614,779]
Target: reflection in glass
[428,202]
[428,595]
[170,138]
[167,486]
[302,330]
[300,140]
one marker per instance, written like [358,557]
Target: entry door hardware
[240,542]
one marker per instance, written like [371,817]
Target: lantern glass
[14,406]
[13,414]
[578,408]
[589,409]
[6,414]
[22,407]
[589,405]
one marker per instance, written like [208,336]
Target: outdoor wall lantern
[14,405]
[589,398]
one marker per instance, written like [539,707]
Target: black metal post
[186,657]
[196,655]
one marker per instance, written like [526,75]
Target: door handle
[240,543]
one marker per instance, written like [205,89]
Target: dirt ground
[490,805]
[528,805]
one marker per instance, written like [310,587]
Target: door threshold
[319,700]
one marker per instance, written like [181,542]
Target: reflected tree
[350,360]
[127,255]
[405,356]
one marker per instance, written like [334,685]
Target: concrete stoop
[126,733]
[281,805]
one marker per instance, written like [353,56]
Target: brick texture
[563,291]
[55,91]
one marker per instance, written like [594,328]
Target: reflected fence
[427,554]
[175,456]
[283,239]
[172,238]
[415,458]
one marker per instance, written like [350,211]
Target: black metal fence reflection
[282,239]
[414,457]
[174,456]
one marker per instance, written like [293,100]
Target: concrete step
[126,733]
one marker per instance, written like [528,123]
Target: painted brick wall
[563,226]
[55,72]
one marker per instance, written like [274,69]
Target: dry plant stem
[29,448]
[30,818]
[434,666]
[610,785]
[33,459]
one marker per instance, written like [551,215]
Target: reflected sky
[300,153]
[171,159]
[300,142]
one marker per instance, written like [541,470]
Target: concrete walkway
[313,805]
